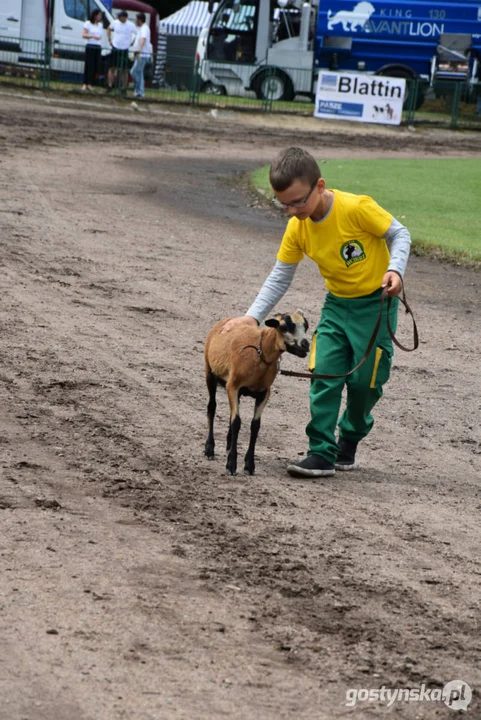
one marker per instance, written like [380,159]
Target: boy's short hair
[141,16]
[292,164]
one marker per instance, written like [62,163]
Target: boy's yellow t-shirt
[347,244]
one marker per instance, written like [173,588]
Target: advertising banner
[359,97]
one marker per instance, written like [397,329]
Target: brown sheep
[245,361]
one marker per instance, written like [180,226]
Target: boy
[346,236]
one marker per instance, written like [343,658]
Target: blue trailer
[424,39]
[276,50]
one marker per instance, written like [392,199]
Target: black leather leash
[384,295]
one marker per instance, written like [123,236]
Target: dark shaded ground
[140,581]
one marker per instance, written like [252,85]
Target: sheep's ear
[306,324]
[272,322]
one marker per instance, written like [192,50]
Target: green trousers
[339,343]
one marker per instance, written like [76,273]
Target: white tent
[189,20]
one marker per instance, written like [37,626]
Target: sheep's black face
[294,328]
[299,350]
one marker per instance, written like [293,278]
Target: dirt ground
[138,580]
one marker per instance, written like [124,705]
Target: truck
[276,51]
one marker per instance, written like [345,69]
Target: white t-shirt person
[143,32]
[96,29]
[122,34]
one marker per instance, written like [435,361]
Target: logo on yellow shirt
[352,252]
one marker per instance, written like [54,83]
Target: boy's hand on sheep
[234,322]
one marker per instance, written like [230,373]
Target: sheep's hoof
[249,471]
[209,452]
[231,473]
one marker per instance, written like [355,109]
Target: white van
[26,25]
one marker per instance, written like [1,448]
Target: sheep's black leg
[261,401]
[229,433]
[235,423]
[211,380]
[232,456]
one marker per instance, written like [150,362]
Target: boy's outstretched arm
[273,289]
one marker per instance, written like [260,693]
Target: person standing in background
[142,54]
[93,31]
[123,35]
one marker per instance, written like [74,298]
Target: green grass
[437,199]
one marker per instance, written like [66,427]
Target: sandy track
[174,591]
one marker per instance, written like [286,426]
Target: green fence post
[417,87]
[45,71]
[267,99]
[413,88]
[195,84]
[456,102]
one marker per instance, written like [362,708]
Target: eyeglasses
[297,203]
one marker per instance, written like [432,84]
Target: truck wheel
[210,89]
[403,71]
[273,84]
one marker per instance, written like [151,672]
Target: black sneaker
[311,466]
[108,90]
[346,456]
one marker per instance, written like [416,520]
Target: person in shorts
[121,34]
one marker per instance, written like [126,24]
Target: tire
[273,84]
[403,71]
[211,89]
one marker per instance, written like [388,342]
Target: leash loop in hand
[372,340]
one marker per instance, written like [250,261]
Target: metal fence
[452,104]
[23,62]
[177,79]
